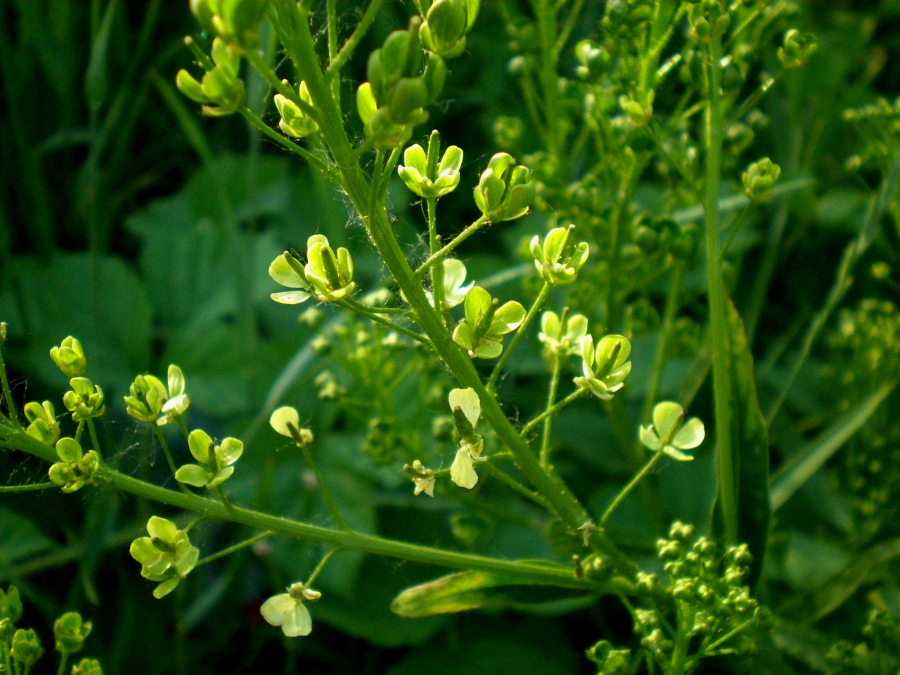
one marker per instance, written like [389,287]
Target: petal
[507,318]
[468,400]
[576,327]
[220,477]
[191,474]
[462,335]
[550,325]
[488,349]
[143,550]
[478,302]
[281,417]
[452,160]
[176,381]
[298,622]
[275,609]
[667,416]
[553,243]
[166,587]
[198,442]
[230,451]
[587,355]
[281,271]
[160,528]
[415,158]
[677,454]
[186,563]
[462,472]
[690,436]
[68,449]
[454,274]
[650,439]
[290,297]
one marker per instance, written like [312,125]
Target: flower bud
[501,195]
[430,181]
[69,357]
[759,178]
[26,647]
[42,419]
[294,121]
[87,667]
[558,260]
[798,48]
[70,632]
[10,604]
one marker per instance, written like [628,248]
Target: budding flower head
[760,177]
[798,48]
[75,469]
[151,401]
[42,422]
[504,194]
[466,407]
[557,259]
[70,632]
[10,604]
[453,279]
[427,177]
[220,90]
[446,24]
[288,611]
[26,648]
[562,335]
[606,367]
[669,432]
[294,121]
[87,667]
[69,357]
[422,477]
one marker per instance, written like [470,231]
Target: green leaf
[750,438]
[811,458]
[465,591]
[20,538]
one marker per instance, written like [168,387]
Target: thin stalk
[93,431]
[517,487]
[362,310]
[353,41]
[321,566]
[520,331]
[716,291]
[251,117]
[574,396]
[525,571]
[168,453]
[26,488]
[220,493]
[460,238]
[551,401]
[285,90]
[324,489]
[434,243]
[234,549]
[63,661]
[7,392]
[633,483]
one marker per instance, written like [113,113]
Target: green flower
[798,48]
[294,122]
[69,357]
[760,177]
[556,260]
[70,632]
[235,20]
[560,339]
[504,196]
[670,434]
[87,667]
[288,611]
[166,555]
[481,331]
[150,400]
[454,278]
[26,648]
[42,422]
[466,407]
[326,276]
[430,179]
[286,421]
[446,24]
[605,368]
[10,604]
[75,469]
[84,400]
[221,90]
[215,461]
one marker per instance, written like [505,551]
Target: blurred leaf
[96,79]
[464,591]
[751,443]
[99,300]
[810,459]
[20,538]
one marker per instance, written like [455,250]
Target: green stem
[633,483]
[324,489]
[321,566]
[362,310]
[63,660]
[251,117]
[516,486]
[525,571]
[716,292]
[220,493]
[168,453]
[460,238]
[7,392]
[93,431]
[574,396]
[355,38]
[26,488]
[437,274]
[234,549]
[520,331]
[551,401]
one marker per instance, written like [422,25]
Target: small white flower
[462,471]
[669,432]
[422,477]
[288,611]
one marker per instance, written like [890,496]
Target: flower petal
[462,472]
[163,529]
[198,443]
[281,271]
[281,417]
[666,416]
[191,474]
[507,318]
[290,297]
[276,609]
[230,451]
[298,622]
[690,436]
[468,400]
[649,438]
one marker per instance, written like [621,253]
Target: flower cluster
[425,175]
[485,323]
[166,556]
[503,193]
[326,276]
[152,401]
[75,469]
[606,366]
[215,462]
[220,91]
[557,259]
[294,121]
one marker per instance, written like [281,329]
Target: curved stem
[551,401]
[460,238]
[362,310]
[93,432]
[168,453]
[321,566]
[7,392]
[633,483]
[355,38]
[26,488]
[574,396]
[517,487]
[235,548]
[324,489]
[520,331]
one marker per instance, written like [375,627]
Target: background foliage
[128,220]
